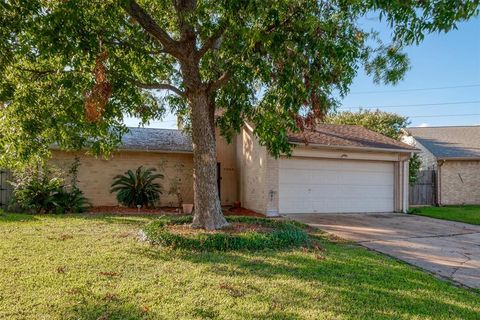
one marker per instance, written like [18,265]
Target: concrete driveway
[448,249]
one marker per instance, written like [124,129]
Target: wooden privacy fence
[5,187]
[424,190]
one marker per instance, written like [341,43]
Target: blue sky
[441,60]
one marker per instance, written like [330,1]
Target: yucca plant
[139,188]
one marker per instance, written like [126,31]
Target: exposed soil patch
[234,228]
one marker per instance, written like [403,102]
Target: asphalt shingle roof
[334,135]
[149,139]
[449,142]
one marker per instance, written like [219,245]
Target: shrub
[280,234]
[137,188]
[414,167]
[70,201]
[34,189]
[43,190]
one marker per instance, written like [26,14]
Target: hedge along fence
[276,234]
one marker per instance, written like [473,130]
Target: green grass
[467,214]
[94,267]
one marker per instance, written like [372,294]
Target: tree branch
[126,45]
[161,86]
[212,41]
[187,31]
[147,22]
[220,82]
[37,73]
[209,43]
[287,20]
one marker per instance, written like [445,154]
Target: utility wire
[417,89]
[445,115]
[414,105]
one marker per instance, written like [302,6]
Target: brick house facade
[454,153]
[344,169]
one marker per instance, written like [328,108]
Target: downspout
[406,186]
[439,181]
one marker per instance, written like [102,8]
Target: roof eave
[56,148]
[476,158]
[154,150]
[396,150]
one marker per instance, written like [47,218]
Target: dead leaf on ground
[109,297]
[109,273]
[61,269]
[234,292]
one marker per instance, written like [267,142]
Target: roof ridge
[454,126]
[144,128]
[340,124]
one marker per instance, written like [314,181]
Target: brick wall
[272,187]
[460,182]
[257,175]
[96,174]
[252,171]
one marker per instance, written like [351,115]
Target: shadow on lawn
[99,308]
[108,218]
[355,283]
[108,307]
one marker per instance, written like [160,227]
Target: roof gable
[449,142]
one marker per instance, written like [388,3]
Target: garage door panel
[347,177]
[347,192]
[299,178]
[351,180]
[321,185]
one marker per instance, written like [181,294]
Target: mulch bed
[165,211]
[234,228]
[133,211]
[242,212]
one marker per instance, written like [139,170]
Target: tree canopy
[261,61]
[389,124]
[73,69]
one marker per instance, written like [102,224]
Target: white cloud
[424,124]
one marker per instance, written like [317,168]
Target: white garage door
[335,186]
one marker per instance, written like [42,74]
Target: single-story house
[454,153]
[333,169]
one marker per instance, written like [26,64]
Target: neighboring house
[454,153]
[333,169]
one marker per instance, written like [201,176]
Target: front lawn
[94,267]
[467,214]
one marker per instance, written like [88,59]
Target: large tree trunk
[208,212]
